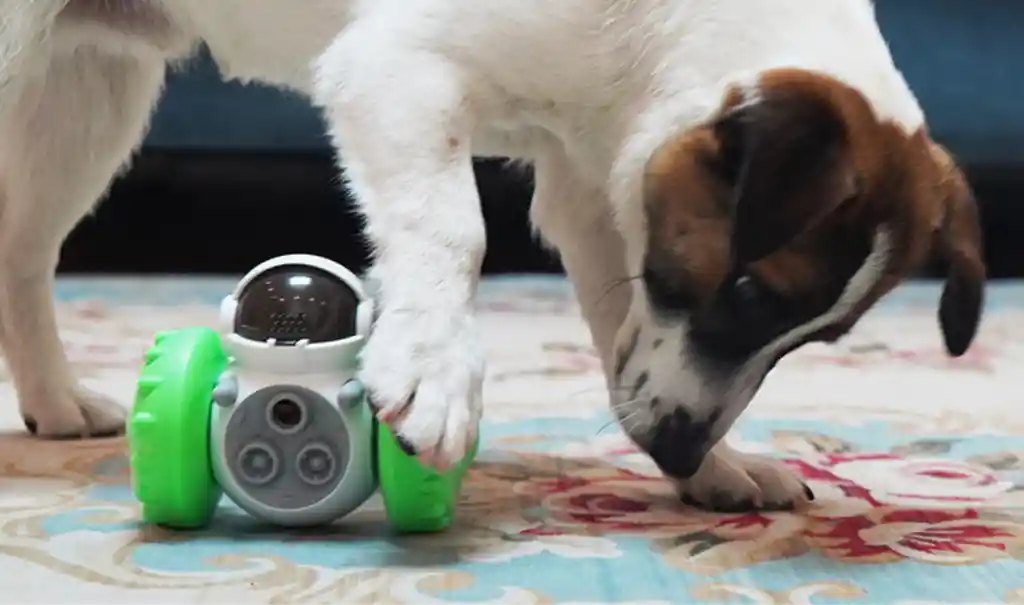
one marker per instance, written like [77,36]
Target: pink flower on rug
[886,535]
[917,482]
[607,499]
[879,508]
[632,502]
[602,500]
[870,508]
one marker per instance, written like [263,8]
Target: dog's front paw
[731,481]
[79,413]
[424,375]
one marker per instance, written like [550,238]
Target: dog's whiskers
[632,417]
[625,406]
[591,390]
[622,421]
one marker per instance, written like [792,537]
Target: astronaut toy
[270,412]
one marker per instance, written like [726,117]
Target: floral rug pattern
[916,461]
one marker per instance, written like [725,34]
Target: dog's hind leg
[69,119]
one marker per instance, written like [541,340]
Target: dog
[724,181]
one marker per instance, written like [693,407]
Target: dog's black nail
[779,506]
[689,500]
[405,445]
[722,502]
[808,492]
[30,424]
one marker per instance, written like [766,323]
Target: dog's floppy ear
[787,155]
[959,242]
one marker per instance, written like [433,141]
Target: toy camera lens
[257,463]
[287,414]
[315,464]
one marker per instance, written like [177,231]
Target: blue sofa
[965,60]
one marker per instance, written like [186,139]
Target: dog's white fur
[411,90]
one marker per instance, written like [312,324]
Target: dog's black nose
[679,443]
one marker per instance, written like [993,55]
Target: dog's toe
[427,389]
[734,482]
[82,414]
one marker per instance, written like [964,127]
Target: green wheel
[169,425]
[417,499]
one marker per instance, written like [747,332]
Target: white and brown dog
[754,175]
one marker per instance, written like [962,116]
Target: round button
[315,464]
[258,463]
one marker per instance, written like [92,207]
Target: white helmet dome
[297,298]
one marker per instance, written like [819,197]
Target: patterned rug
[917,462]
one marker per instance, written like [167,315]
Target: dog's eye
[746,291]
[750,299]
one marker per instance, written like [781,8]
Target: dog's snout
[679,443]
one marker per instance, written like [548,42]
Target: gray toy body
[291,434]
[293,454]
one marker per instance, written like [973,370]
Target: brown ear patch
[923,202]
[688,227]
[792,160]
[959,242]
[757,185]
[792,182]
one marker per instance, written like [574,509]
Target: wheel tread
[162,427]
